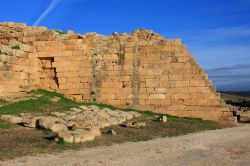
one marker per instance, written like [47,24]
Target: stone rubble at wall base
[78,125]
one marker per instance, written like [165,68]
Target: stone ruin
[80,124]
[141,70]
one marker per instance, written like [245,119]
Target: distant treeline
[243,103]
[243,94]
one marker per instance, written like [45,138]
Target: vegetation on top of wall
[3,53]
[15,47]
[59,31]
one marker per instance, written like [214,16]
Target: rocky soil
[242,113]
[78,125]
[227,147]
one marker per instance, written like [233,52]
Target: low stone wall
[139,70]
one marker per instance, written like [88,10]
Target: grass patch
[16,47]
[2,101]
[4,125]
[42,104]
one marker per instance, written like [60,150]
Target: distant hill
[239,94]
[237,98]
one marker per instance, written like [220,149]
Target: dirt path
[226,147]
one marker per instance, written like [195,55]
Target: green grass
[16,47]
[4,125]
[2,101]
[41,104]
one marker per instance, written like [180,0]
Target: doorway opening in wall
[48,77]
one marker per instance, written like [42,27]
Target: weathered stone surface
[59,114]
[95,131]
[58,127]
[31,122]
[55,99]
[49,122]
[12,119]
[138,70]
[163,119]
[66,136]
[82,135]
[111,132]
[136,124]
[78,125]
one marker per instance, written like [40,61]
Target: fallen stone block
[48,122]
[82,135]
[58,127]
[66,136]
[135,124]
[111,132]
[163,119]
[12,119]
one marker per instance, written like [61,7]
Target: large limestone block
[12,118]
[58,127]
[48,122]
[66,136]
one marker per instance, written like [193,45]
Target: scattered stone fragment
[58,114]
[78,125]
[81,135]
[95,131]
[31,122]
[76,110]
[55,99]
[77,164]
[57,139]
[84,108]
[66,136]
[111,132]
[56,127]
[49,121]
[94,108]
[12,119]
[115,34]
[163,119]
[135,124]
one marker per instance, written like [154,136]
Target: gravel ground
[230,146]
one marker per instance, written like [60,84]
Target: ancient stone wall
[140,70]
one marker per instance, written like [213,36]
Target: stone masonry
[140,70]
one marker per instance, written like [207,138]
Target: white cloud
[52,5]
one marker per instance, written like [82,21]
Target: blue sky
[217,32]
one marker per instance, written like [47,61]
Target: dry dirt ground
[230,146]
